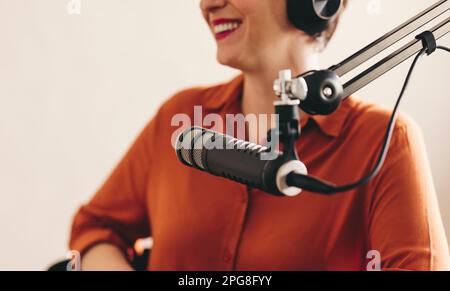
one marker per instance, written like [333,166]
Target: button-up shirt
[203,222]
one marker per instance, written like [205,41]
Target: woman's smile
[223,27]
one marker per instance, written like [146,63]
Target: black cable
[309,183]
[444,48]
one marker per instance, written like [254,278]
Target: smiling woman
[201,222]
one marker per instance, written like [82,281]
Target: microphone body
[243,162]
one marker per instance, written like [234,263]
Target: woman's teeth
[226,27]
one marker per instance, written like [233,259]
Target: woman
[202,222]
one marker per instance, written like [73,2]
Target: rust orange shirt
[202,222]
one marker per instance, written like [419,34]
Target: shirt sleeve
[117,214]
[404,221]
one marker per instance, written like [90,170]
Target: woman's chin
[230,60]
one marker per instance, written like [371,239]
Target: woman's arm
[105,257]
[104,229]
[404,222]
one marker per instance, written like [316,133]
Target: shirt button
[227,256]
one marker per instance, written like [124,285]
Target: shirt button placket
[228,256]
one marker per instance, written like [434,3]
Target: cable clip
[428,41]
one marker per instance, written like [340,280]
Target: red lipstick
[223,27]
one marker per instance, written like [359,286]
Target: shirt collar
[225,94]
[331,125]
[229,93]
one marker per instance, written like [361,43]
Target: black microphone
[243,162]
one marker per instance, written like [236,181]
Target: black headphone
[313,16]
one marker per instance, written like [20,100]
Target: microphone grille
[185,145]
[199,144]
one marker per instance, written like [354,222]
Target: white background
[75,90]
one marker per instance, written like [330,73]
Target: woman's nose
[212,5]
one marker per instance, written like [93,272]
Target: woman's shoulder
[185,100]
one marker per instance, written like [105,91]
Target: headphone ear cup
[313,16]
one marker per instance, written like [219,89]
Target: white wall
[76,89]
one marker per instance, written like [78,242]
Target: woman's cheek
[245,7]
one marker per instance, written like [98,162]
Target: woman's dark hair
[326,36]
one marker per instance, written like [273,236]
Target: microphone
[243,162]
